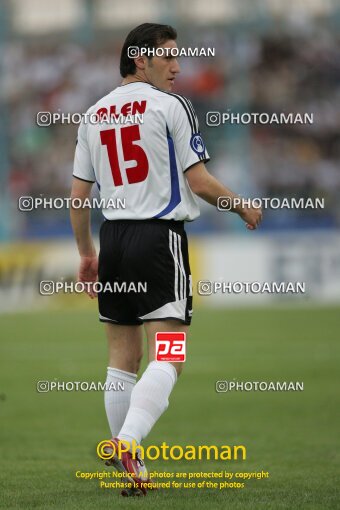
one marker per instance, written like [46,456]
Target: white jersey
[139,160]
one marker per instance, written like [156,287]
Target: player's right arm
[81,225]
[83,181]
[203,184]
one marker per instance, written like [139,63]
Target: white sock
[117,402]
[149,400]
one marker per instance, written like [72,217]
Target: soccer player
[158,167]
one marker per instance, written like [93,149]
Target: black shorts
[144,270]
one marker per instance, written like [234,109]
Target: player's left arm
[207,187]
[192,154]
[81,225]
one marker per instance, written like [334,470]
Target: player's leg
[123,332]
[125,345]
[150,396]
[169,295]
[125,353]
[153,327]
[167,274]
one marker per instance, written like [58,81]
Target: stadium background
[271,56]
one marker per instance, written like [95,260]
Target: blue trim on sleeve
[175,198]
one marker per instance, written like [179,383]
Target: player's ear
[140,62]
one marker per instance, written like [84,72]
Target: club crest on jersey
[197,144]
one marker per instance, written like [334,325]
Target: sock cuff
[165,367]
[122,374]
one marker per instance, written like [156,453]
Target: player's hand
[251,216]
[88,273]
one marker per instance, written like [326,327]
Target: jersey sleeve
[188,141]
[82,167]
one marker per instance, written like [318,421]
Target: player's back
[138,151]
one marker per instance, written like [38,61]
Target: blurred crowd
[250,73]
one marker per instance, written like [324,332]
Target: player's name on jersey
[134,109]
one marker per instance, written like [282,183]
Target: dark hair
[147,35]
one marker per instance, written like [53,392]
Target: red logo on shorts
[170,346]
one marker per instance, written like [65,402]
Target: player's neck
[134,78]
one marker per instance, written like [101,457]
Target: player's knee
[130,362]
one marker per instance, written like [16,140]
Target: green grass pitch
[47,437]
